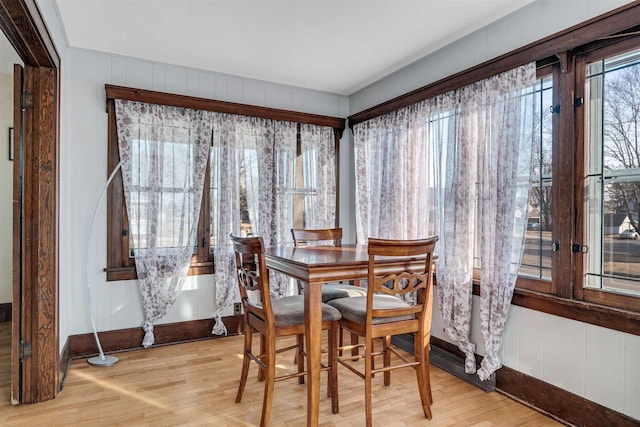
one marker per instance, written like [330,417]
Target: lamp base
[100,361]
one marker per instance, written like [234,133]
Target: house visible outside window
[612,183]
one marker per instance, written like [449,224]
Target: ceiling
[337,46]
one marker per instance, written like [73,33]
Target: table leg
[313,333]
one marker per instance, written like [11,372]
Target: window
[594,149]
[176,159]
[612,179]
[123,241]
[536,258]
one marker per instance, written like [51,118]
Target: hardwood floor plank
[194,384]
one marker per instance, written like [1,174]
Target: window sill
[595,314]
[588,312]
[129,273]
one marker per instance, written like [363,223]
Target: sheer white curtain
[472,144]
[276,171]
[252,158]
[228,157]
[455,219]
[506,127]
[164,152]
[395,179]
[318,150]
[488,145]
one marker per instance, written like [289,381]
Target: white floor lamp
[101,359]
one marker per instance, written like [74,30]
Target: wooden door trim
[25,28]
[17,239]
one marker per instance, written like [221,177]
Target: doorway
[35,350]
[8,57]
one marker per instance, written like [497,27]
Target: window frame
[586,55]
[120,266]
[569,224]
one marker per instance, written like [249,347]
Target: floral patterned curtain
[394,170]
[319,175]
[164,152]
[456,220]
[252,158]
[474,143]
[505,139]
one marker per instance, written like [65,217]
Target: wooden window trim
[612,22]
[119,265]
[173,100]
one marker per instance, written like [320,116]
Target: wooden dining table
[316,265]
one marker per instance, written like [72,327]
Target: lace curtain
[463,151]
[455,219]
[253,172]
[318,148]
[164,152]
[505,132]
[393,168]
[252,160]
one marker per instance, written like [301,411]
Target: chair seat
[339,290]
[289,311]
[355,308]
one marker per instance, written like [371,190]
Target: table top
[320,264]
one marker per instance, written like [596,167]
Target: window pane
[613,167]
[536,258]
[247,181]
[172,225]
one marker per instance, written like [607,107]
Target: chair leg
[354,341]
[262,351]
[368,366]
[248,335]
[422,373]
[332,381]
[386,343]
[427,368]
[299,357]
[269,378]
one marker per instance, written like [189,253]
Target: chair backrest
[253,276]
[401,282]
[303,237]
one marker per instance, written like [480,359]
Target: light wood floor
[195,384]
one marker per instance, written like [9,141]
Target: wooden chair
[331,237]
[273,318]
[382,314]
[330,291]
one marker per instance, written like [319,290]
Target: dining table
[316,265]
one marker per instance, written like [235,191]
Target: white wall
[593,362]
[6,189]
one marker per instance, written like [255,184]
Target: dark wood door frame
[35,269]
